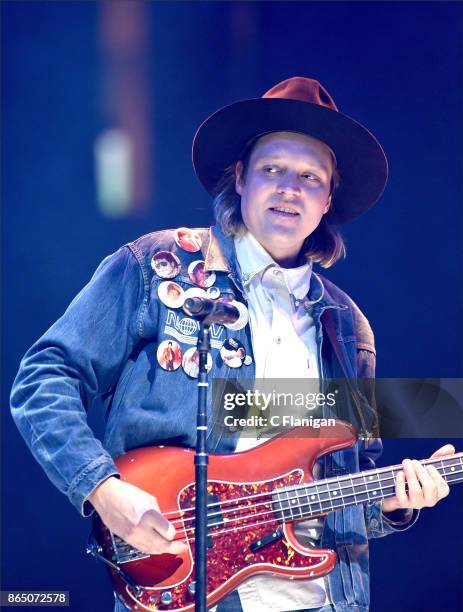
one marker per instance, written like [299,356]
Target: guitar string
[185,531]
[273,520]
[307,489]
[327,501]
[258,524]
[327,481]
[332,507]
[269,500]
[248,525]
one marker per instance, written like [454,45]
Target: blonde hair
[325,245]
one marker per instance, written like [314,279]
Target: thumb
[447,449]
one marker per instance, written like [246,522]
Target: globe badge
[187,326]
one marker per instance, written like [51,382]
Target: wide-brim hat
[302,105]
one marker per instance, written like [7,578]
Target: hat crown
[303,89]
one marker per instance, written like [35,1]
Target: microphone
[212,311]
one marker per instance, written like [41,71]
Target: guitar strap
[355,393]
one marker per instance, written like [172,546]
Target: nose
[289,184]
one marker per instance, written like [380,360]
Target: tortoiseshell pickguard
[242,523]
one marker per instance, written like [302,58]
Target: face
[200,273]
[173,292]
[165,267]
[286,191]
[188,239]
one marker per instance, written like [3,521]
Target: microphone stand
[201,462]
[210,311]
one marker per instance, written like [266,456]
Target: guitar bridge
[124,552]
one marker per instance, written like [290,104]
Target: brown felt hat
[303,105]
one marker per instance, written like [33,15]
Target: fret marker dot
[374,492]
[293,501]
[452,469]
[312,497]
[371,478]
[334,492]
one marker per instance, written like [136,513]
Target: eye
[271,169]
[311,177]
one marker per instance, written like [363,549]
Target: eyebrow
[313,163]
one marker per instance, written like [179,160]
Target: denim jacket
[104,347]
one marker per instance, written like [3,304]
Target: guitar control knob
[166,598]
[192,588]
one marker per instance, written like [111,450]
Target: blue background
[396,67]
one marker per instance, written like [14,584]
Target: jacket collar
[220,256]
[219,251]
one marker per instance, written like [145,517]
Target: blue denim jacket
[104,347]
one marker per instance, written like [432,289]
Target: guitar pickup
[214,519]
[265,540]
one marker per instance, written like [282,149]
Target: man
[168,357]
[285,170]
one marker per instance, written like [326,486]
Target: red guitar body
[168,474]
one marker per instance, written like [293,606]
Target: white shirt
[284,346]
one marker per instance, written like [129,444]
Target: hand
[425,485]
[134,515]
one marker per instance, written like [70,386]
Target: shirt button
[374,524]
[276,272]
[277,339]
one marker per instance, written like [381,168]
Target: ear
[238,177]
[327,205]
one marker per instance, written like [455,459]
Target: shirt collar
[254,260]
[219,254]
[252,257]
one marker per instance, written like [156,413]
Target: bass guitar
[254,499]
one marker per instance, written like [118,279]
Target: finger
[429,490]
[176,547]
[156,521]
[151,542]
[154,518]
[415,498]
[447,449]
[400,492]
[442,487]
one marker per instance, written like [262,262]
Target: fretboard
[327,495]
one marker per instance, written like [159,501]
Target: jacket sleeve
[79,358]
[377,523]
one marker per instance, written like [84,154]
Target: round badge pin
[190,362]
[233,353]
[169,355]
[213,293]
[243,319]
[166,264]
[188,239]
[171,294]
[247,360]
[199,275]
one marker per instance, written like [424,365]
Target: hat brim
[362,164]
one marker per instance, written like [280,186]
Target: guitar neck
[327,495]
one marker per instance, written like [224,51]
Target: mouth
[284,211]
